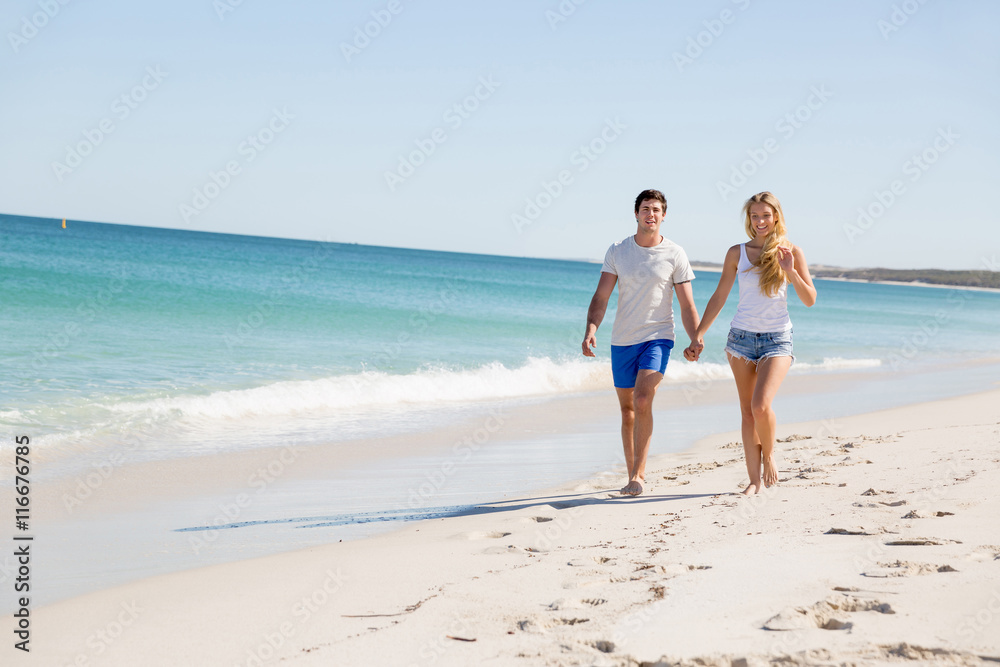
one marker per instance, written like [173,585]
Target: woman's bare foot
[633,488]
[770,471]
[753,488]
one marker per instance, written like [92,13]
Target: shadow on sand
[560,502]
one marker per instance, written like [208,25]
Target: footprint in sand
[509,549]
[535,625]
[562,604]
[873,492]
[918,514]
[921,542]
[599,560]
[570,585]
[902,568]
[849,531]
[811,472]
[541,519]
[678,569]
[829,614]
[794,437]
[603,645]
[481,535]
[931,656]
[985,552]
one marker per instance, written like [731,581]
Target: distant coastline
[981,279]
[985,280]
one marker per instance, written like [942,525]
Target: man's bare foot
[753,488]
[633,488]
[770,472]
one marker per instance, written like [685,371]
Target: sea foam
[426,387]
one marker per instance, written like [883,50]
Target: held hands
[693,351]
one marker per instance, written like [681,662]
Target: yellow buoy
[64,223]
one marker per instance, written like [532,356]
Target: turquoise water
[206,342]
[152,344]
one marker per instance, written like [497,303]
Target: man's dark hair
[650,194]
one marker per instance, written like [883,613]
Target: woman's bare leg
[745,374]
[770,373]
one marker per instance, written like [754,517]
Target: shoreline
[913,283]
[581,546]
[175,515]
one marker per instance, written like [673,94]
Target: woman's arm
[729,267]
[718,300]
[793,261]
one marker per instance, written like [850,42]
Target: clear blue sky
[883,88]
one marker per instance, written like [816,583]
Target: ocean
[208,342]
[444,380]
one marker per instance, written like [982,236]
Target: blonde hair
[772,276]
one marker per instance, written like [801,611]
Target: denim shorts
[627,360]
[756,346]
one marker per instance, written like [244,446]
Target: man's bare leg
[745,374]
[770,373]
[625,401]
[637,407]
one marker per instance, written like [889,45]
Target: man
[648,268]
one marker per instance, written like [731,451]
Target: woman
[760,340]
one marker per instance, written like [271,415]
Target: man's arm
[595,314]
[689,312]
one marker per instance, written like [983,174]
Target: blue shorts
[627,360]
[756,346]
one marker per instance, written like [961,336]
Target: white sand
[580,576]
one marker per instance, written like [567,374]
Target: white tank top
[756,311]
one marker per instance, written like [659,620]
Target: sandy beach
[880,545]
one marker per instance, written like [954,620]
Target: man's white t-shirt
[646,279]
